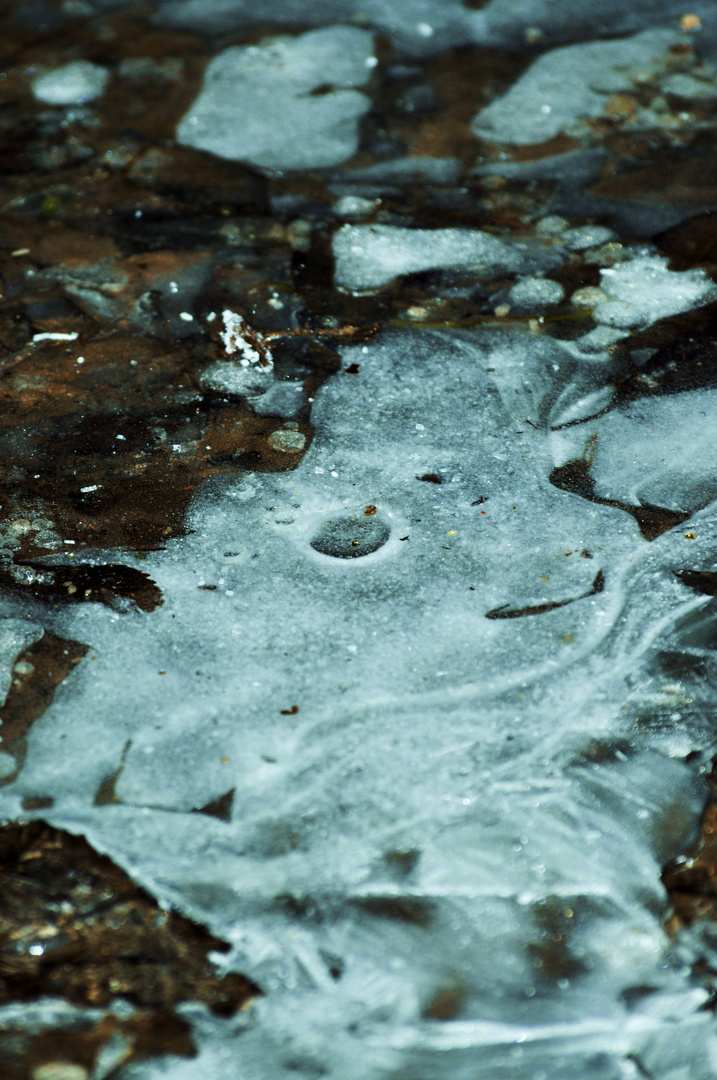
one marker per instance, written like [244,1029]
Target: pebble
[60,1070]
[288,442]
[551,225]
[353,207]
[588,296]
[586,236]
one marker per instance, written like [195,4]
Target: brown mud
[73,925]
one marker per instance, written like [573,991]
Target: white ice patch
[72,84]
[408,686]
[658,450]
[644,290]
[498,23]
[633,296]
[258,104]
[567,86]
[369,256]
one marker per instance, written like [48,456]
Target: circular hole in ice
[350,537]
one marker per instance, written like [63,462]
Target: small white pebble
[586,236]
[55,337]
[288,442]
[72,84]
[186,317]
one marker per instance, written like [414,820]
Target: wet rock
[536,294]
[369,256]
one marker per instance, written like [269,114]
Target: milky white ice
[72,84]
[257,102]
[567,86]
[470,805]
[369,256]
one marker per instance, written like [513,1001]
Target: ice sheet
[410,726]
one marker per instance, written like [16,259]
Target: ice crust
[256,104]
[369,256]
[567,86]
[422,27]
[433,811]
[661,451]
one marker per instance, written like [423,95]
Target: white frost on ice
[72,84]
[257,103]
[369,256]
[644,289]
[242,342]
[536,293]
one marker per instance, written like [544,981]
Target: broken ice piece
[259,103]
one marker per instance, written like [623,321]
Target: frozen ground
[430,813]
[431,688]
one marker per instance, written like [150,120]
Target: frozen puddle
[429,686]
